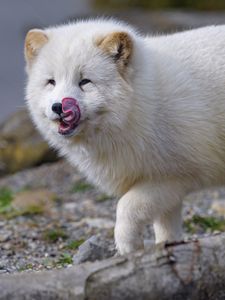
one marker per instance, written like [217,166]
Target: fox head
[79,78]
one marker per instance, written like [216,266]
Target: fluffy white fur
[150,135]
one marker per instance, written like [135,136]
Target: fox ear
[119,46]
[34,41]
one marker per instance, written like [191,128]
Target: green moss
[30,210]
[65,259]
[6,198]
[81,186]
[200,223]
[25,267]
[53,235]
[73,245]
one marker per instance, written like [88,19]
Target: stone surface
[93,249]
[21,146]
[185,271]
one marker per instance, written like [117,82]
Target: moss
[53,235]
[81,186]
[31,210]
[73,245]
[28,266]
[200,223]
[28,211]
[6,198]
[65,259]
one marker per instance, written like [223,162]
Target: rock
[218,206]
[5,236]
[21,146]
[6,246]
[187,271]
[93,249]
[148,244]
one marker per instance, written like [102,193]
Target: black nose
[57,108]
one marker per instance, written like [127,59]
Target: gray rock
[148,244]
[21,146]
[93,249]
[5,236]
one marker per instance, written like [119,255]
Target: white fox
[142,117]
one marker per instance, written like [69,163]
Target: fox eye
[51,82]
[83,82]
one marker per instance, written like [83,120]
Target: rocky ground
[47,212]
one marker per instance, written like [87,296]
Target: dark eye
[84,81]
[51,81]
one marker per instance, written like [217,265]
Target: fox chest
[110,174]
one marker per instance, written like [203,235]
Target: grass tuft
[203,224]
[65,259]
[53,235]
[6,198]
[27,211]
[81,186]
[73,245]
[28,266]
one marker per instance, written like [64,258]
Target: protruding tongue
[71,111]
[70,116]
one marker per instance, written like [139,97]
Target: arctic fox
[142,117]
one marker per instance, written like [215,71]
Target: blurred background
[20,145]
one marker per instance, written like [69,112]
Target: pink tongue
[71,111]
